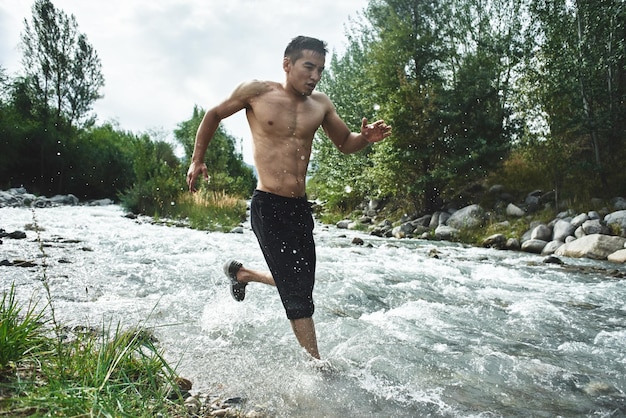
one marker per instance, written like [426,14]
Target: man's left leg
[304,329]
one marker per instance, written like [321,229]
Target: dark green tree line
[466,82]
[463,83]
[50,144]
[45,109]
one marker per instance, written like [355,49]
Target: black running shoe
[237,288]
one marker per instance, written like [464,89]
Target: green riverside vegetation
[47,369]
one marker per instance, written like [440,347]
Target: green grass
[48,371]
[211,211]
[20,329]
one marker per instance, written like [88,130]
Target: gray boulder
[497,241]
[512,210]
[534,246]
[67,199]
[596,246]
[16,197]
[594,215]
[618,256]
[563,229]
[442,218]
[551,247]
[594,226]
[343,224]
[579,220]
[101,202]
[422,221]
[617,219]
[403,231]
[446,233]
[513,244]
[8,199]
[541,232]
[471,216]
[41,202]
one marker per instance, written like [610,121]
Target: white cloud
[161,57]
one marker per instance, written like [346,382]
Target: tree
[442,73]
[101,162]
[157,182]
[62,66]
[340,178]
[227,170]
[487,52]
[408,83]
[578,78]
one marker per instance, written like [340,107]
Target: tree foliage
[227,170]
[463,82]
[440,74]
[157,183]
[342,179]
[60,64]
[50,144]
[577,77]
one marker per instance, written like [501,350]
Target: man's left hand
[375,132]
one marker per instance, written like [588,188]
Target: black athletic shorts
[284,229]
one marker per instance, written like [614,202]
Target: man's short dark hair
[300,43]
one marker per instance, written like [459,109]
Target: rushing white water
[473,333]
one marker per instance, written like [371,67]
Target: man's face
[304,74]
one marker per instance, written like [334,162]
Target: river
[470,333]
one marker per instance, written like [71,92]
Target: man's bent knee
[299,313]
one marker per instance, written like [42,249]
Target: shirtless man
[283,120]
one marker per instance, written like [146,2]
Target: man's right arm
[238,100]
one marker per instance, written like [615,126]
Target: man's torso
[283,127]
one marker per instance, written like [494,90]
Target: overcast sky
[160,57]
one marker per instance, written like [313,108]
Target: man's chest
[282,117]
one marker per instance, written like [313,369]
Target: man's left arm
[350,142]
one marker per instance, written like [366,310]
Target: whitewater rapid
[470,333]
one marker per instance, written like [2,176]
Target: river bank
[598,233]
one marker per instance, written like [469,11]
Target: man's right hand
[195,169]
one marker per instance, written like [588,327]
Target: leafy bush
[158,182]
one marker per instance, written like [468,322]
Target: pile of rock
[599,235]
[19,197]
[584,235]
